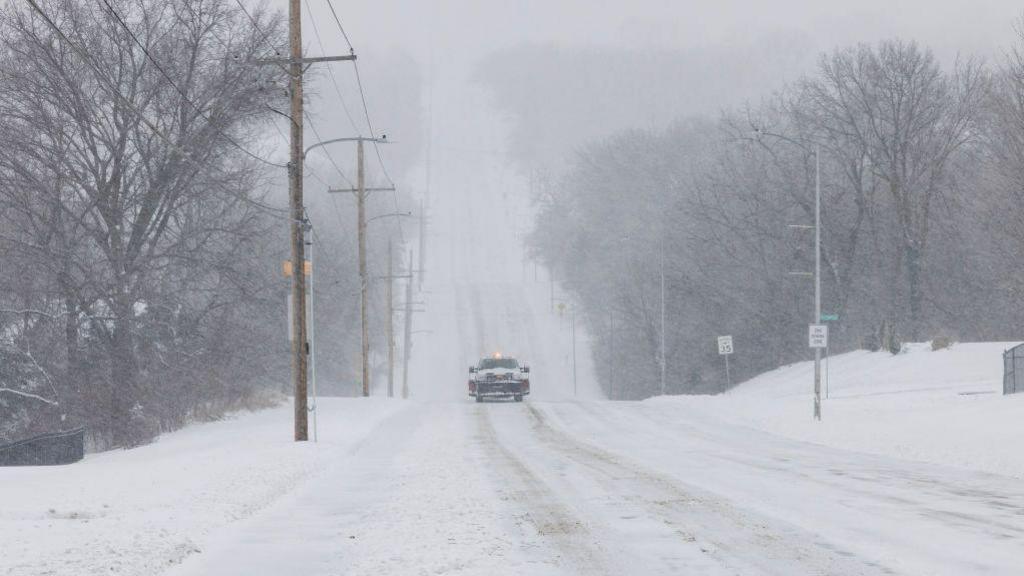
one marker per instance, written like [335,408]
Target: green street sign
[830,317]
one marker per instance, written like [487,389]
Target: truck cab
[498,376]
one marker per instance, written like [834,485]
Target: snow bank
[142,510]
[943,407]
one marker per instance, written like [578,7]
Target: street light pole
[312,330]
[817,262]
[662,273]
[574,351]
[817,278]
[611,353]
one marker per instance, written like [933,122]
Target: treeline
[142,283]
[922,180]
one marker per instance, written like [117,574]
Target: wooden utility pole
[423,244]
[363,280]
[293,65]
[407,347]
[364,283]
[299,345]
[390,323]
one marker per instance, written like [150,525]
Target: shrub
[942,342]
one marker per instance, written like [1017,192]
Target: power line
[330,72]
[182,92]
[366,112]
[328,154]
[376,147]
[340,27]
[256,25]
[271,210]
[266,39]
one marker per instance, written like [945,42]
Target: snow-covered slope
[143,510]
[943,407]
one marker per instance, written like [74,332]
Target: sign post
[817,338]
[828,318]
[725,349]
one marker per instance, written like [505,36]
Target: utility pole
[551,282]
[662,271]
[293,65]
[574,351]
[300,348]
[361,191]
[363,282]
[611,351]
[817,278]
[423,242]
[390,324]
[407,348]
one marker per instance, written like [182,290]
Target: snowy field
[942,407]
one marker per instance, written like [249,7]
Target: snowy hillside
[141,511]
[943,407]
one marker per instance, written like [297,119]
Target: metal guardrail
[45,450]
[1013,370]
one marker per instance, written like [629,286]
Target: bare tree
[129,158]
[907,118]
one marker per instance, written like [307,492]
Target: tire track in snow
[994,513]
[551,521]
[736,541]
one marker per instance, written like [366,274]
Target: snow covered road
[601,488]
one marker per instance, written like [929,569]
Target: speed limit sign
[724,345]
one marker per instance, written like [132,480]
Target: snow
[564,483]
[942,407]
[142,510]
[912,471]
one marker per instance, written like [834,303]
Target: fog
[665,59]
[636,287]
[490,102]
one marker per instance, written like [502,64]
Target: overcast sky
[429,50]
[464,29]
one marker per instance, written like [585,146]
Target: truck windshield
[491,363]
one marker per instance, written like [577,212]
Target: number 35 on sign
[724,345]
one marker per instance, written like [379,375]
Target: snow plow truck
[499,377]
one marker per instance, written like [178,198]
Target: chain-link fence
[1013,370]
[48,449]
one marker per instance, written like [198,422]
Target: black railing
[45,450]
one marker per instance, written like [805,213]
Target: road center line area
[588,488]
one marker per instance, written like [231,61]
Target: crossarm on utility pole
[356,190]
[299,60]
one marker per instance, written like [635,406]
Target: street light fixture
[390,215]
